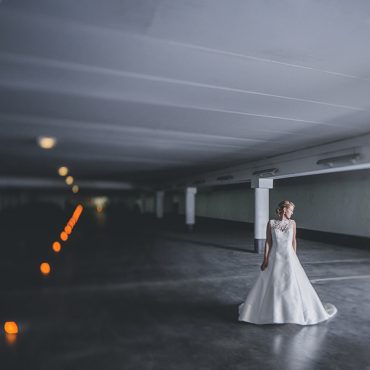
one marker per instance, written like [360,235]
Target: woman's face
[289,211]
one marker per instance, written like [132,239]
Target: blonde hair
[283,204]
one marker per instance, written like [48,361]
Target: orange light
[56,247]
[68,229]
[78,211]
[63,236]
[11,327]
[45,268]
[11,339]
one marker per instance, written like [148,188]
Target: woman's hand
[264,265]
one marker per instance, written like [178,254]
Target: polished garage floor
[135,296]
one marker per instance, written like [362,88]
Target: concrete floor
[147,298]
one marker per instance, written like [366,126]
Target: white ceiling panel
[146,91]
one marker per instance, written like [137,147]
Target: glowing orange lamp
[45,268]
[11,327]
[78,211]
[63,236]
[57,247]
[68,229]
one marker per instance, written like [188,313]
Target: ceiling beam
[43,183]
[339,156]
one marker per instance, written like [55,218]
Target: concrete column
[143,202]
[139,205]
[175,205]
[261,211]
[190,207]
[159,203]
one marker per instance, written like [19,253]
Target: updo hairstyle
[283,204]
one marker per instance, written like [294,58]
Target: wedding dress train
[282,292]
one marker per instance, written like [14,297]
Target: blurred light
[46,142]
[45,268]
[69,180]
[68,229]
[11,327]
[77,212]
[10,338]
[63,171]
[63,236]
[75,188]
[100,203]
[56,247]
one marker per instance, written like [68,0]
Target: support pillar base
[190,227]
[259,245]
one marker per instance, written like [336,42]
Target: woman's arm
[268,245]
[294,242]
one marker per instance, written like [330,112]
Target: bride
[282,292]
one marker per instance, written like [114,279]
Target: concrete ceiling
[149,91]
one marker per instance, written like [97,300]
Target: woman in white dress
[282,292]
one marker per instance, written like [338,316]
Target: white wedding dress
[283,293]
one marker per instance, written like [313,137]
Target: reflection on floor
[131,295]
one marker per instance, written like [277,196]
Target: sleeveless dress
[282,292]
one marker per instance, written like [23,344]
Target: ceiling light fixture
[63,171]
[46,142]
[351,158]
[198,182]
[224,178]
[69,180]
[266,172]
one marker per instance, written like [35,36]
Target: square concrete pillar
[261,211]
[190,207]
[159,203]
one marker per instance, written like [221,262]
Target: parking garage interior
[143,147]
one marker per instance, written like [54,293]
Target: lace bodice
[281,225]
